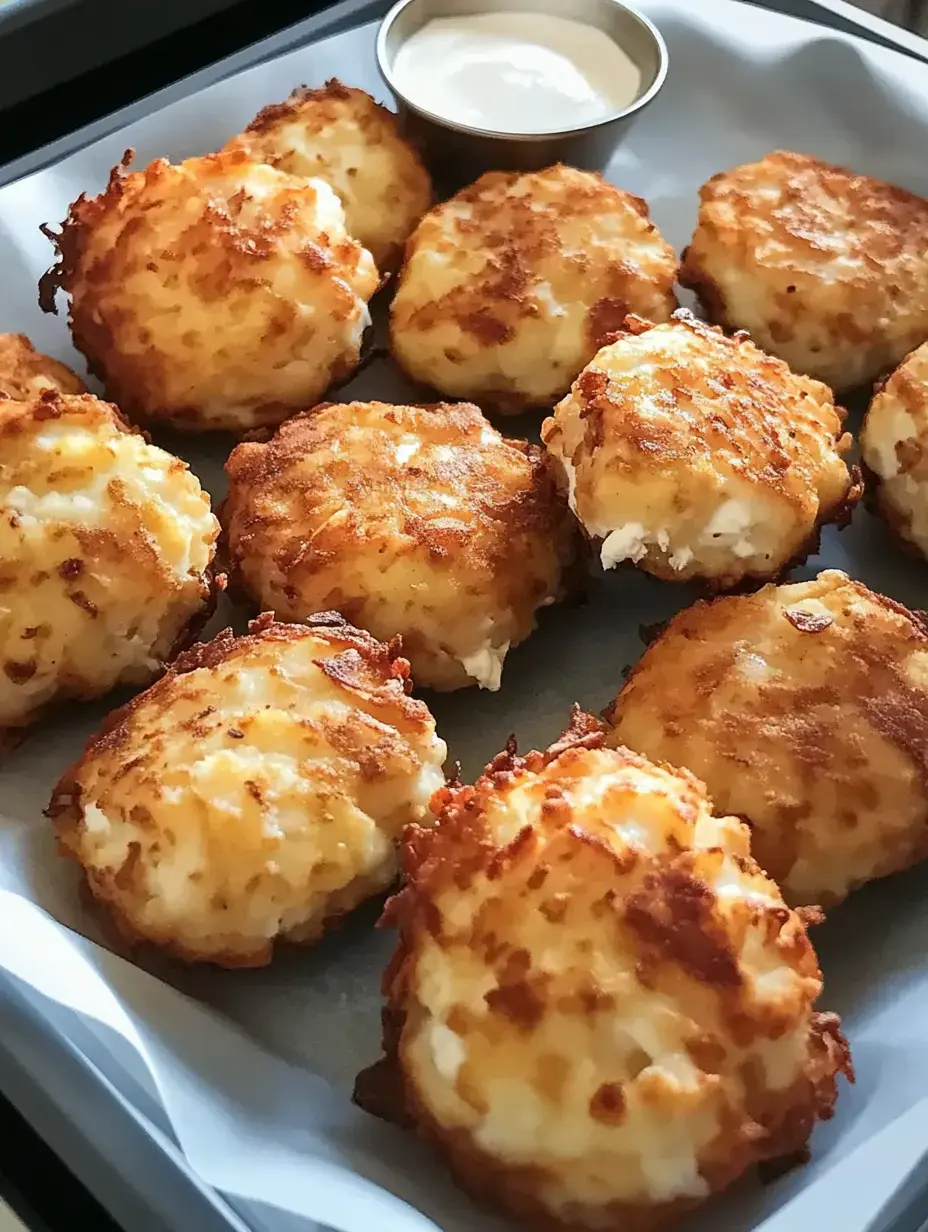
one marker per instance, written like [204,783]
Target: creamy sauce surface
[516,72]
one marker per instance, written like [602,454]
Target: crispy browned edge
[49,406]
[874,498]
[264,471]
[709,294]
[652,634]
[896,712]
[382,1090]
[66,243]
[894,726]
[612,312]
[55,370]
[748,583]
[12,737]
[93,340]
[64,808]
[335,90]
[500,402]
[878,504]
[839,515]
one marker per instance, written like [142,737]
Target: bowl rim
[578,130]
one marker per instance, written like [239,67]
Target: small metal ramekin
[460,153]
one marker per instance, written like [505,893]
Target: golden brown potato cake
[420,521]
[255,793]
[25,372]
[894,446]
[218,293]
[825,268]
[805,710]
[599,1010]
[106,547]
[693,454]
[509,288]
[341,135]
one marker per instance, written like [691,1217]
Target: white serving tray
[259,1110]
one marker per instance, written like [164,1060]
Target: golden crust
[825,268]
[509,288]
[894,447]
[256,793]
[25,372]
[218,293]
[805,710]
[341,135]
[420,521]
[589,1030]
[693,454]
[106,548]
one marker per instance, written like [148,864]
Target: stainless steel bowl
[458,152]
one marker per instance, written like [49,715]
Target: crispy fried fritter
[894,446]
[825,268]
[420,521]
[218,293]
[25,372]
[600,1011]
[106,544]
[510,287]
[255,793]
[341,135]
[696,455]
[805,710]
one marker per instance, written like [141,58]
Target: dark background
[80,97]
[38,1188]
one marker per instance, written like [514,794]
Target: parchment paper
[256,1087]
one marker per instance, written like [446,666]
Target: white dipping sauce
[515,72]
